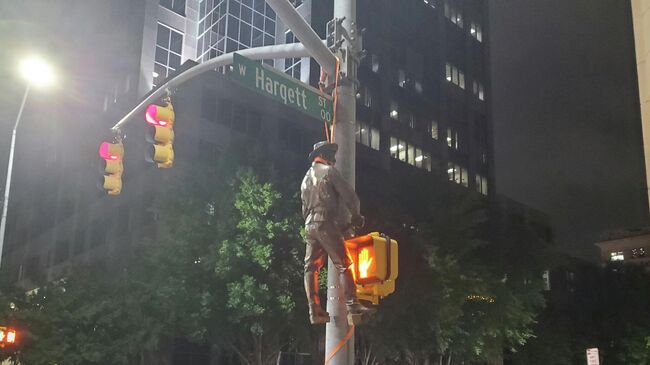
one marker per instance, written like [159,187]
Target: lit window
[394,110]
[638,252]
[454,75]
[412,120]
[477,89]
[452,138]
[457,173]
[367,97]
[434,129]
[454,15]
[616,256]
[481,184]
[375,63]
[409,153]
[401,78]
[476,32]
[367,135]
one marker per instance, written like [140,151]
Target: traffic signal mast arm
[292,50]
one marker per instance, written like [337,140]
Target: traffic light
[7,336]
[160,134]
[112,155]
[375,268]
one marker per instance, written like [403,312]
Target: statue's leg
[314,261]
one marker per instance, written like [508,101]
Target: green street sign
[282,88]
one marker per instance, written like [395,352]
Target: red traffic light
[162,116]
[111,151]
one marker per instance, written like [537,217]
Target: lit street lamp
[39,74]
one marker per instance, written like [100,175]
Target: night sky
[566,116]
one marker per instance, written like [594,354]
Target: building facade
[422,109]
[641,21]
[625,247]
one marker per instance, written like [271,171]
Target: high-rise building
[422,110]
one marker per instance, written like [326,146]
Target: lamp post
[37,73]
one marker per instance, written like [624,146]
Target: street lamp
[38,74]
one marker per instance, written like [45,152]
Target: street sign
[282,88]
[592,357]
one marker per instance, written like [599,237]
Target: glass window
[375,63]
[434,129]
[617,256]
[401,78]
[169,44]
[411,154]
[394,147]
[394,110]
[374,138]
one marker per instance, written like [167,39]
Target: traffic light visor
[160,115]
[111,151]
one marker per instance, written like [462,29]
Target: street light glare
[37,72]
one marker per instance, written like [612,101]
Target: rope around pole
[336,96]
[340,345]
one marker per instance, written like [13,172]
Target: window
[434,129]
[546,278]
[454,75]
[374,63]
[452,138]
[401,78]
[616,256]
[291,65]
[412,120]
[453,14]
[481,184]
[457,174]
[394,110]
[477,89]
[366,97]
[177,6]
[169,45]
[638,252]
[476,31]
[367,135]
[409,153]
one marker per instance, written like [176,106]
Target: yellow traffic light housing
[112,166]
[375,260]
[161,134]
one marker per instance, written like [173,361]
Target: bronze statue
[327,202]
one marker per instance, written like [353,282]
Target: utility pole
[338,331]
[339,337]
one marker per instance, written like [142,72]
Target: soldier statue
[327,203]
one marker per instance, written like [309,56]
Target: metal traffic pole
[339,336]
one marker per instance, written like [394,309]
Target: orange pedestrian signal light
[374,265]
[7,336]
[11,336]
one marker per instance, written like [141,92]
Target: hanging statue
[327,202]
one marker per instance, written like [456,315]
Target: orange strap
[340,345]
[336,94]
[329,137]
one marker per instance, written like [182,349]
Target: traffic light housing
[7,336]
[112,155]
[160,134]
[375,265]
